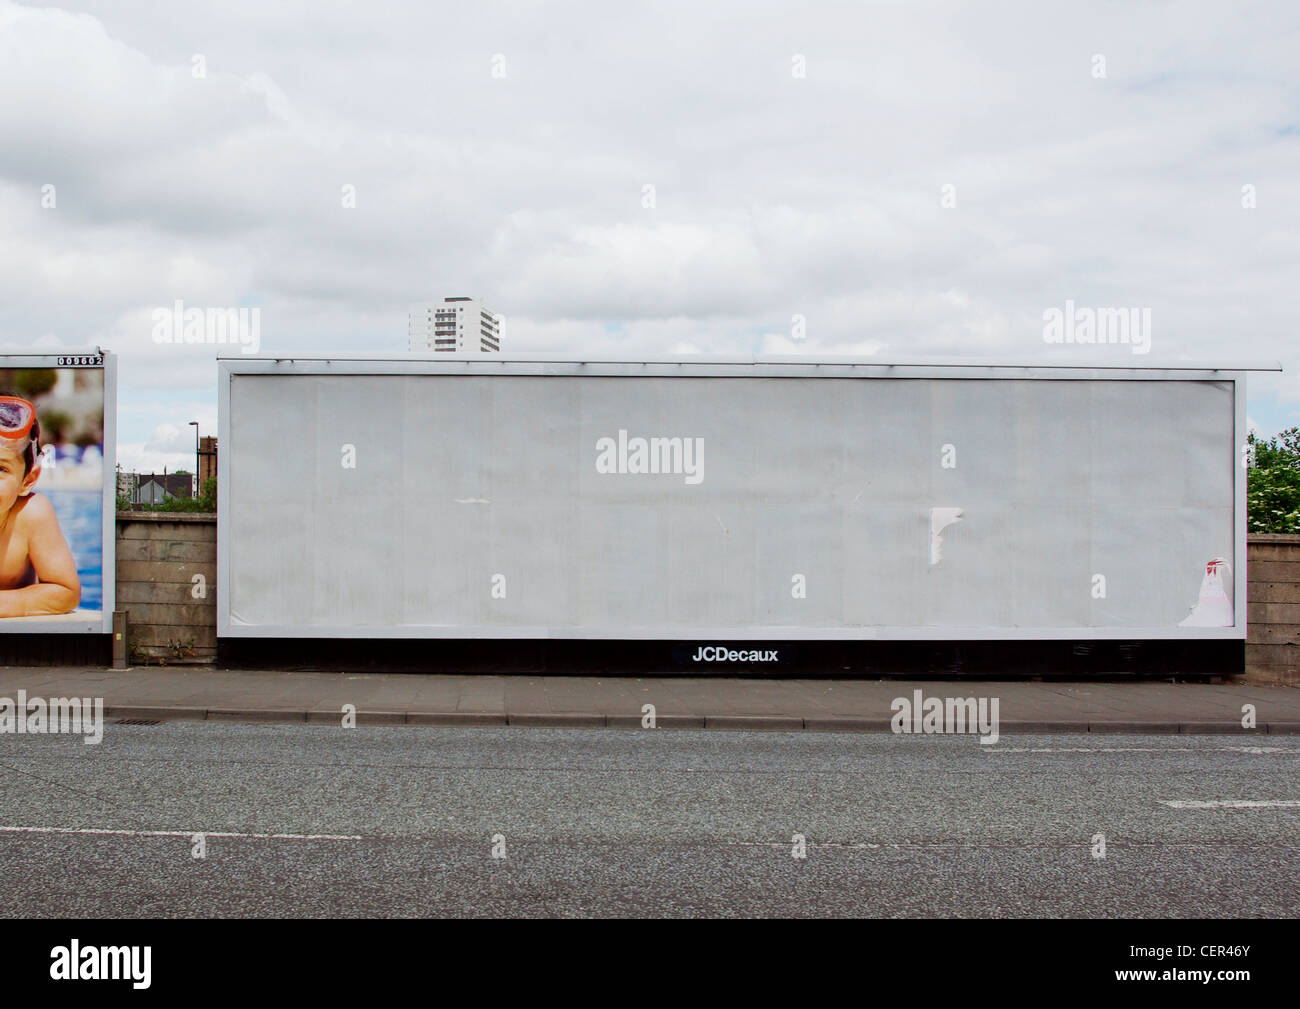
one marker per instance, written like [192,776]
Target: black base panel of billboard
[1067,660]
[56,650]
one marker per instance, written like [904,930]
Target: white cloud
[135,457]
[775,196]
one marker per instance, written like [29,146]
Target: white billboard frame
[736,367]
[96,359]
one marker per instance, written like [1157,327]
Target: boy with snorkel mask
[38,576]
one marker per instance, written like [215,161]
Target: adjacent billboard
[57,492]
[728,500]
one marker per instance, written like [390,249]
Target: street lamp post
[195,424]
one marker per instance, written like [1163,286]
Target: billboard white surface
[751,500]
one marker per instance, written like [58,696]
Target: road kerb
[556,720]
[1026,727]
[1223,728]
[455,718]
[780,722]
[661,722]
[846,723]
[168,713]
[1145,728]
[380,717]
[334,716]
[256,715]
[593,720]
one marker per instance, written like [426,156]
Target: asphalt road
[658,823]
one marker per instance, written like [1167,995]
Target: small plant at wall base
[1273,484]
[181,649]
[136,655]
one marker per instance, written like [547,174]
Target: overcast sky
[1142,155]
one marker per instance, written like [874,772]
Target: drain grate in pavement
[139,721]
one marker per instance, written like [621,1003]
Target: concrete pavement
[204,693]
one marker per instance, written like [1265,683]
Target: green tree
[33,382]
[1273,483]
[205,502]
[54,427]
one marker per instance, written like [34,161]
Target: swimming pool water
[81,517]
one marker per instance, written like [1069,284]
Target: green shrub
[1273,484]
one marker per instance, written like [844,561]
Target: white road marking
[808,844]
[1231,803]
[179,833]
[1142,749]
[964,845]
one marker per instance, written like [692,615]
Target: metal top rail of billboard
[737,498]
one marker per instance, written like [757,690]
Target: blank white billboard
[755,500]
